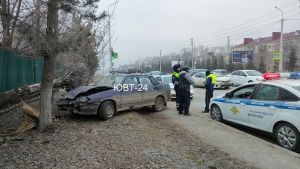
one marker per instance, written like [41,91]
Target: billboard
[242,56]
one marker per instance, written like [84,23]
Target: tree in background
[215,63]
[250,65]
[292,59]
[229,65]
[208,64]
[9,13]
[221,63]
[262,53]
[238,66]
[262,67]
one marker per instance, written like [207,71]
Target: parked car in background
[195,71]
[222,81]
[220,72]
[167,79]
[156,74]
[241,77]
[112,94]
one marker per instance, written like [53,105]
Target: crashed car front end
[83,100]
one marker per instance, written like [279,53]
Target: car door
[234,77]
[235,107]
[149,91]
[264,106]
[130,96]
[243,79]
[199,79]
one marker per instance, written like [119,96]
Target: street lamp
[281,41]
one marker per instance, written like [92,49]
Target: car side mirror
[228,95]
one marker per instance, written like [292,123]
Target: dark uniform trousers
[177,97]
[184,99]
[208,96]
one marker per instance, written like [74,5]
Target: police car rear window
[288,96]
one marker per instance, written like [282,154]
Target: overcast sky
[142,27]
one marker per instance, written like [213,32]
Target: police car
[272,105]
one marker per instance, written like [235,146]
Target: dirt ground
[135,139]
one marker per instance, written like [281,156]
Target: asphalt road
[244,143]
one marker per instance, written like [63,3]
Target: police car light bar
[270,76]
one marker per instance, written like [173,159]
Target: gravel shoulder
[133,139]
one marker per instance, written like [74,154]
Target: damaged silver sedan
[116,93]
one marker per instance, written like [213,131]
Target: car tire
[107,110]
[250,81]
[284,133]
[216,113]
[159,104]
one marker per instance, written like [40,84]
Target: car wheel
[107,110]
[159,104]
[250,81]
[216,113]
[287,136]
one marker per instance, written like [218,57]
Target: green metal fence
[17,71]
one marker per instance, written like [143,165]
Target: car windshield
[253,73]
[166,79]
[109,81]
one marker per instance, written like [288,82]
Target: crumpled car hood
[81,89]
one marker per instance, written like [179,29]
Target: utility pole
[228,47]
[228,44]
[192,44]
[160,60]
[280,68]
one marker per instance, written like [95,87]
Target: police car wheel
[216,113]
[287,136]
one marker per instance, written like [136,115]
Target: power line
[246,23]
[248,27]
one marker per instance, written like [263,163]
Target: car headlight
[82,99]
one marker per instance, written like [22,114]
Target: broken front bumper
[78,108]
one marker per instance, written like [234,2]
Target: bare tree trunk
[49,66]
[5,19]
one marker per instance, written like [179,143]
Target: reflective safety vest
[175,74]
[213,78]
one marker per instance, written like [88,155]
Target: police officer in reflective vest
[175,77]
[210,82]
[184,83]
